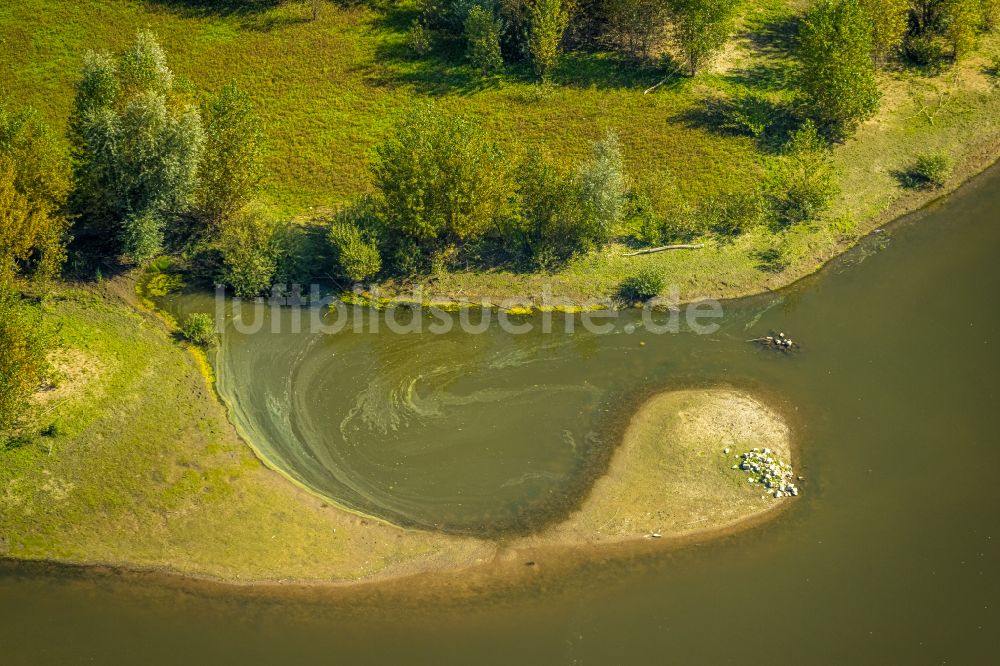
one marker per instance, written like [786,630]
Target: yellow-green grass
[672,474]
[328,89]
[145,472]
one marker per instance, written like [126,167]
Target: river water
[890,556]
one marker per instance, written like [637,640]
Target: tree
[482,31]
[603,186]
[803,180]
[136,148]
[549,19]
[701,28]
[549,223]
[837,74]
[889,21]
[34,181]
[232,167]
[355,249]
[439,179]
[961,22]
[248,244]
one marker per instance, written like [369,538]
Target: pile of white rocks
[769,472]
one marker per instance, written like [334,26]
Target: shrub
[355,250]
[802,181]
[232,168]
[931,170]
[419,38]
[604,187]
[482,31]
[549,19]
[249,254]
[34,181]
[440,181]
[549,224]
[701,28]
[750,114]
[642,286]
[927,51]
[199,328]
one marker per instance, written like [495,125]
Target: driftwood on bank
[664,248]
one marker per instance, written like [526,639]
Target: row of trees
[539,30]
[446,193]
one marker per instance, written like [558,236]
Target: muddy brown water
[890,556]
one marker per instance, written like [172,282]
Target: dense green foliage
[483,31]
[803,180]
[889,20]
[354,246]
[931,170]
[249,247]
[440,179]
[549,20]
[837,77]
[34,181]
[232,168]
[701,27]
[137,147]
[199,328]
[642,286]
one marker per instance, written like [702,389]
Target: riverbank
[143,471]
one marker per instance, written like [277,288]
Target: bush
[549,223]
[642,286]
[482,31]
[419,38]
[931,170]
[927,51]
[802,182]
[440,181]
[199,328]
[249,254]
[232,168]
[604,187]
[837,73]
[549,19]
[354,249]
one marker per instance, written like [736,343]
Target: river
[890,555]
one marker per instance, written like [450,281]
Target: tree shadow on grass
[773,45]
[767,122]
[254,15]
[196,8]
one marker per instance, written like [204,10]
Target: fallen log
[664,248]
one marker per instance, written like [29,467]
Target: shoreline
[499,558]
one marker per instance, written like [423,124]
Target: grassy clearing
[145,470]
[671,476]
